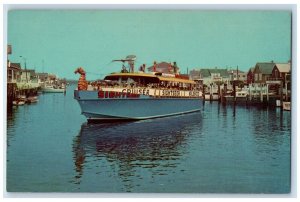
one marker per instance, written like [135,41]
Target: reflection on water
[156,144]
[12,114]
[222,149]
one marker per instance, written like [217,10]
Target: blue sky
[65,40]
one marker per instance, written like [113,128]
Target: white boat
[137,96]
[22,98]
[211,97]
[53,89]
[32,99]
[18,103]
[241,94]
[286,106]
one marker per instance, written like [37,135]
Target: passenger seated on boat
[143,67]
[124,71]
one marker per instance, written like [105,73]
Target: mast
[130,59]
[25,67]
[237,72]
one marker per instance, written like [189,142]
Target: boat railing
[97,87]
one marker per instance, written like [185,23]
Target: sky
[59,41]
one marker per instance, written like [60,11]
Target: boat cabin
[149,80]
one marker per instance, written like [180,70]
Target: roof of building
[15,65]
[205,72]
[208,72]
[42,75]
[265,67]
[162,67]
[28,70]
[251,70]
[234,71]
[284,67]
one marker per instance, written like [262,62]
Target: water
[51,148]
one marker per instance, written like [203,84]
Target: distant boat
[212,97]
[53,89]
[21,98]
[18,102]
[242,94]
[32,99]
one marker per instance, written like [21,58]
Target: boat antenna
[124,70]
[130,59]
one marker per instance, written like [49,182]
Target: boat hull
[52,90]
[133,108]
[18,103]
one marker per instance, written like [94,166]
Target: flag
[9,50]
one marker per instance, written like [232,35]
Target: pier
[15,90]
[253,95]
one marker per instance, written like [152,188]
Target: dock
[15,90]
[253,95]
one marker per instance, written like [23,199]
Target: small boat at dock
[211,97]
[20,100]
[18,103]
[53,89]
[32,99]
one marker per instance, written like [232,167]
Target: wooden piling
[234,91]
[261,94]
[219,92]
[11,94]
[267,92]
[281,94]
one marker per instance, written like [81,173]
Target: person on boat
[143,67]
[154,66]
[175,68]
[170,67]
[131,66]
[124,69]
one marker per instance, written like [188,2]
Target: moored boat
[18,102]
[136,95]
[211,97]
[53,89]
[32,99]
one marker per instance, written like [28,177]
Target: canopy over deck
[150,76]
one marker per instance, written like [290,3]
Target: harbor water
[221,149]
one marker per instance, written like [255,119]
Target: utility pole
[237,73]
[25,67]
[43,64]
